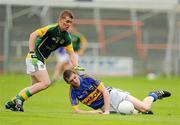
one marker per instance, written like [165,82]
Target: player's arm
[70,50]
[32,39]
[77,110]
[34,35]
[105,93]
[75,105]
[72,55]
[73,58]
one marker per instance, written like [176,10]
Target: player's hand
[106,113]
[97,111]
[34,58]
[79,68]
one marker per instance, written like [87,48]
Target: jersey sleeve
[69,48]
[73,99]
[42,31]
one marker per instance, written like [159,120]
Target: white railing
[107,65]
[116,4]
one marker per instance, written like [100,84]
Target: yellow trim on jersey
[94,95]
[42,31]
[69,48]
[100,86]
[75,107]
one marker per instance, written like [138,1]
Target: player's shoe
[11,106]
[160,94]
[19,105]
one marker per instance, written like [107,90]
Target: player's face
[74,80]
[65,23]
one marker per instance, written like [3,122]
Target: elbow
[34,35]
[106,91]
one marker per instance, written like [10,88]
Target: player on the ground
[42,42]
[96,95]
[79,43]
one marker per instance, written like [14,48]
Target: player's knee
[46,84]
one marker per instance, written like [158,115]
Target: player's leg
[34,80]
[43,82]
[142,106]
[160,94]
[145,105]
[23,95]
[12,104]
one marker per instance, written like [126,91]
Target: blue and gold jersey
[50,38]
[88,93]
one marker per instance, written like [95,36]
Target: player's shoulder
[53,25]
[49,27]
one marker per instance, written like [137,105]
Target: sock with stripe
[23,95]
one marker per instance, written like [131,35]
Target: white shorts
[116,97]
[30,68]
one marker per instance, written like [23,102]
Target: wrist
[106,112]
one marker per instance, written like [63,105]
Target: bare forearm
[33,37]
[73,58]
[106,101]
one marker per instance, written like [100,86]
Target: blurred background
[126,37]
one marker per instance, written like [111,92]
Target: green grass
[52,106]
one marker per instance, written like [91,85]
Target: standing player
[96,95]
[80,44]
[42,42]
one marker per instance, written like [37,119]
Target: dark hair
[67,74]
[66,13]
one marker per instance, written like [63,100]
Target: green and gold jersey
[50,38]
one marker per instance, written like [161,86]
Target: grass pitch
[52,106]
